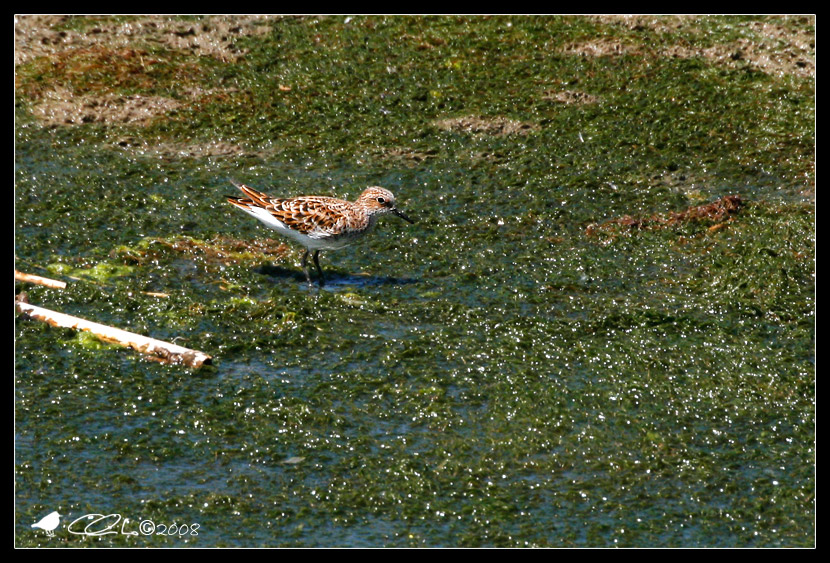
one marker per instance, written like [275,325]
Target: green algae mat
[599,332]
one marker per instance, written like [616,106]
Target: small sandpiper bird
[319,222]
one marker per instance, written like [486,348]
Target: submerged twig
[31,278]
[156,349]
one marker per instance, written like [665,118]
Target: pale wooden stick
[31,278]
[155,294]
[159,349]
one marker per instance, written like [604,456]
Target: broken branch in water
[157,349]
[31,278]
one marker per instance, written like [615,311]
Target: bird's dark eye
[381,200]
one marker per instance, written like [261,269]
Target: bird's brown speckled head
[380,201]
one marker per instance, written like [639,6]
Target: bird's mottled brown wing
[305,214]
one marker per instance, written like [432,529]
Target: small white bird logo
[49,523]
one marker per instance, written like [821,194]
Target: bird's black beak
[402,216]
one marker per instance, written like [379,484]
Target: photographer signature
[104,524]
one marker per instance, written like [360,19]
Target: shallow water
[493,375]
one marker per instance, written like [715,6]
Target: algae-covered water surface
[600,331]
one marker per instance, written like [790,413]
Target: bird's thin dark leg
[319,269]
[304,264]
